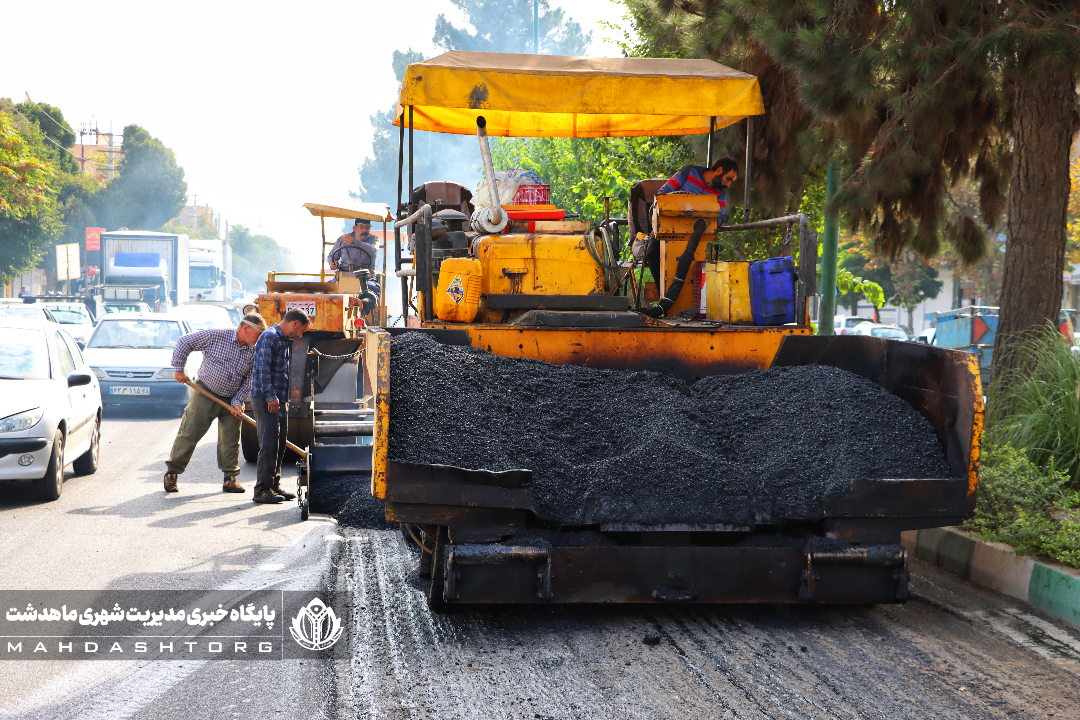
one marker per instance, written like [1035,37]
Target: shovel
[245,418]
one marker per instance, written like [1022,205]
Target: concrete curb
[1047,585]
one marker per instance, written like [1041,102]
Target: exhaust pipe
[488,220]
[676,286]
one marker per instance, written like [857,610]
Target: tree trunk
[1043,123]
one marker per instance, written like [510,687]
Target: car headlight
[21,421]
[165,374]
[99,372]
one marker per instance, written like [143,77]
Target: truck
[139,264]
[209,269]
[523,287]
[973,329]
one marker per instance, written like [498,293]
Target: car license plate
[129,390]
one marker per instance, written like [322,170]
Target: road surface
[953,651]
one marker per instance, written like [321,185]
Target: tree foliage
[30,219]
[150,189]
[25,177]
[583,171]
[507,26]
[254,255]
[496,26]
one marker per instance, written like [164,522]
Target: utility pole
[828,257]
[536,27]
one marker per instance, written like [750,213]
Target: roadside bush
[1038,407]
[1035,509]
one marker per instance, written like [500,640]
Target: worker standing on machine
[694,180]
[226,372]
[270,402]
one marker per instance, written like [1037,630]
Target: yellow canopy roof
[366,211]
[564,96]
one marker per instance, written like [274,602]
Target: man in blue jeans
[270,402]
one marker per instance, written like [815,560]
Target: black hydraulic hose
[676,286]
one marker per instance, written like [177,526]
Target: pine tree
[909,99]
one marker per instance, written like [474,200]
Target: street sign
[67,262]
[93,238]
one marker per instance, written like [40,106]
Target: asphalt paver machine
[329,414]
[557,291]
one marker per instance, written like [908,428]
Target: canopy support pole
[411,185]
[322,272]
[382,285]
[749,167]
[397,215]
[708,158]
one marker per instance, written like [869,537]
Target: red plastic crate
[532,195]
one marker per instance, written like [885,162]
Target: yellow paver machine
[566,293]
[328,413]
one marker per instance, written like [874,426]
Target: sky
[266,107]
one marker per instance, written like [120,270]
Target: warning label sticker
[456,291]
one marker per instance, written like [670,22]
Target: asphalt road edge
[1049,586]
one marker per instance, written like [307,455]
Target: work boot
[230,485]
[267,497]
[276,487]
[170,482]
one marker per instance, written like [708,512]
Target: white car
[881,330]
[131,355]
[844,324]
[50,406]
[75,318]
[203,316]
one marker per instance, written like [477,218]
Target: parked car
[29,311]
[201,316]
[136,308]
[50,406]
[76,319]
[843,324]
[131,355]
[881,330]
[926,337]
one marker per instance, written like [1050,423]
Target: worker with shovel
[225,374]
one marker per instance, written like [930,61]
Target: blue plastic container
[772,291]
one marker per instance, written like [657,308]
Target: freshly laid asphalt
[953,651]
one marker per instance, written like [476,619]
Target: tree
[29,217]
[50,121]
[150,189]
[254,255]
[500,26]
[909,99]
[914,280]
[507,26]
[583,171]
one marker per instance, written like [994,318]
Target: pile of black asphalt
[613,446]
[348,498]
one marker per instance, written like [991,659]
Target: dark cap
[362,221]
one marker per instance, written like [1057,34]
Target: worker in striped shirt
[228,357]
[694,180]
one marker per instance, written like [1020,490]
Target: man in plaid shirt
[225,372]
[270,403]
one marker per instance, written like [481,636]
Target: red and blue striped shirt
[690,180]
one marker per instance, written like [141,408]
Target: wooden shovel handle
[249,420]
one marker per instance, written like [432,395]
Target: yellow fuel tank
[727,292]
[458,296]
